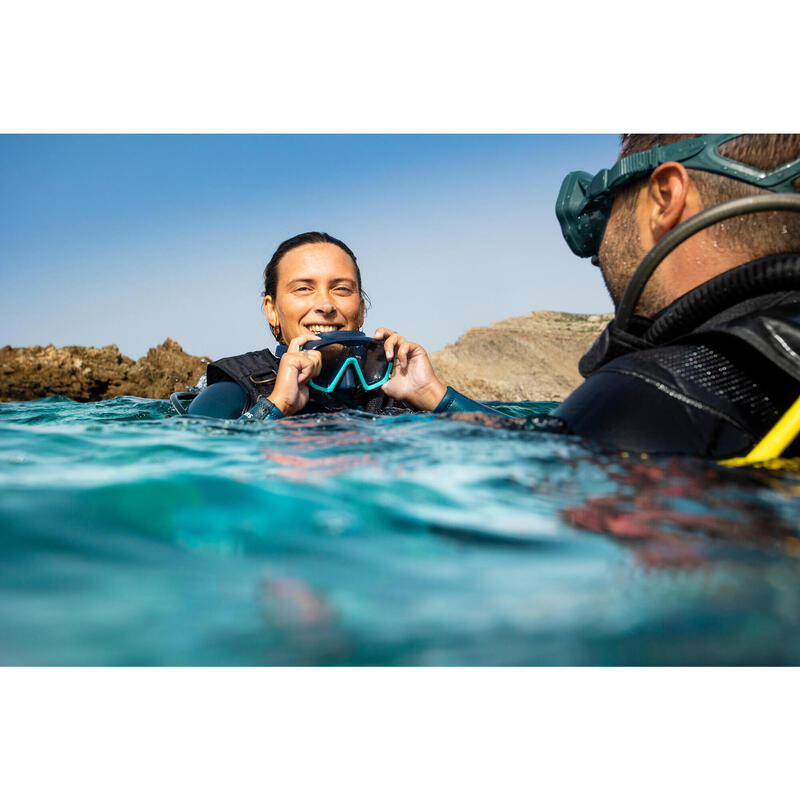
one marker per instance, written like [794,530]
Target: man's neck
[695,262]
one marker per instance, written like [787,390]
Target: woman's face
[317,291]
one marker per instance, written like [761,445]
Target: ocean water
[132,536]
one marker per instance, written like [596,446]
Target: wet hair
[754,235]
[312,237]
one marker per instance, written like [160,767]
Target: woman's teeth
[323,328]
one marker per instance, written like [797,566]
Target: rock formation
[522,358]
[92,373]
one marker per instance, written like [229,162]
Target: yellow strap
[778,438]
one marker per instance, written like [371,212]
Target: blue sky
[130,239]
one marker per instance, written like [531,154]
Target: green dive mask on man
[584,200]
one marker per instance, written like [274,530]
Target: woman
[312,286]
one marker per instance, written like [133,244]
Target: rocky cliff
[522,358]
[92,373]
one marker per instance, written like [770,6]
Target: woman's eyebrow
[301,280]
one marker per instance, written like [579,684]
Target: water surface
[129,535]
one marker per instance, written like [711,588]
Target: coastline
[534,357]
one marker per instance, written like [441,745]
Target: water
[129,535]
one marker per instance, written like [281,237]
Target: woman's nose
[325,304]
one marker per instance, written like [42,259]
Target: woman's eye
[302,289]
[343,290]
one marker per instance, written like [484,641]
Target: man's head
[647,209]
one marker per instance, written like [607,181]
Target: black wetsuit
[708,376]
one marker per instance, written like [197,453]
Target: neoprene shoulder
[708,377]
[223,400]
[683,399]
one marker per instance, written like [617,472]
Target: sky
[130,239]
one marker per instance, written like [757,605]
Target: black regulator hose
[705,219]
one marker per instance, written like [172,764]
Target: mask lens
[583,220]
[374,364]
[370,359]
[333,355]
[594,221]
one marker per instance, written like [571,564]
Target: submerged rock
[91,373]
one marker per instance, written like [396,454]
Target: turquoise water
[129,535]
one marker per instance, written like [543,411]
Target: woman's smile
[317,328]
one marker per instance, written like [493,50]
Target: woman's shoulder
[235,383]
[223,400]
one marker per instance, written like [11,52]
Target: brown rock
[521,358]
[91,373]
[164,370]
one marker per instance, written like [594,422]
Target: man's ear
[270,311]
[668,192]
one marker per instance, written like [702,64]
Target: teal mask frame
[350,361]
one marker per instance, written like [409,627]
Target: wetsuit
[239,386]
[708,376]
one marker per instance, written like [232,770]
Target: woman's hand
[413,379]
[290,392]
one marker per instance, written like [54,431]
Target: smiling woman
[315,305]
[317,289]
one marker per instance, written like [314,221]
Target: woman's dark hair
[312,237]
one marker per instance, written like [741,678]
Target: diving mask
[347,357]
[584,201]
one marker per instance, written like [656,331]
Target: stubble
[620,253]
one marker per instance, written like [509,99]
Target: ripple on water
[129,535]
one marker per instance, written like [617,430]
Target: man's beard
[620,253]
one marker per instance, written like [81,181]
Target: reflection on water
[670,512]
[131,536]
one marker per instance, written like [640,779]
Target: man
[711,360]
